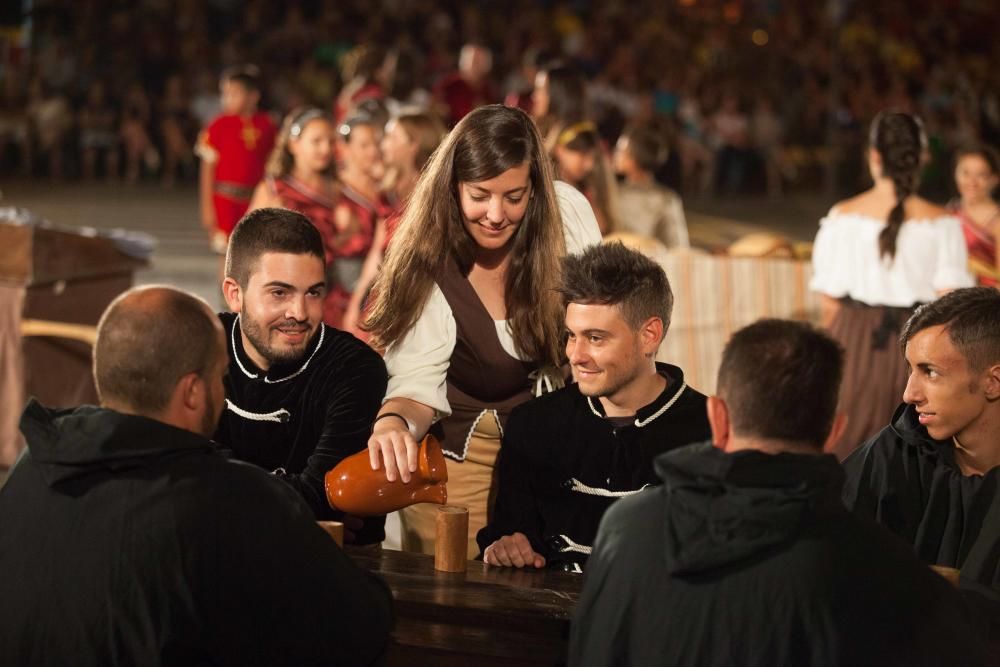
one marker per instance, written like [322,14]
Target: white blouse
[418,364]
[930,257]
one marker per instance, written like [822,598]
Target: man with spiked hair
[568,455]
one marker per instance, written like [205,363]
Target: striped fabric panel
[11,374]
[716,295]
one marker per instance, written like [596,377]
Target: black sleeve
[281,592]
[516,508]
[354,394]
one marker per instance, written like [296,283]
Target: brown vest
[481,375]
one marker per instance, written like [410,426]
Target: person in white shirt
[466,307]
[876,257]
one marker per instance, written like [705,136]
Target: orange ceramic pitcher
[355,488]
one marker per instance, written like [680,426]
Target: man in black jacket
[932,476]
[300,395]
[126,538]
[568,455]
[747,556]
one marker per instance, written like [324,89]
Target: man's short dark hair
[611,274]
[780,381]
[147,340]
[246,75]
[269,230]
[971,316]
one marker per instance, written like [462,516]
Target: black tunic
[302,419]
[910,483]
[751,559]
[126,541]
[563,463]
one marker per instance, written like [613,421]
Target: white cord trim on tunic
[279,416]
[468,436]
[573,546]
[267,380]
[547,380]
[650,418]
[580,487]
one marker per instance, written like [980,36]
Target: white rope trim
[547,380]
[232,337]
[468,436]
[279,416]
[573,546]
[267,380]
[580,487]
[639,424]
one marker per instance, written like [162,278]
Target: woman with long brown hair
[876,257]
[465,306]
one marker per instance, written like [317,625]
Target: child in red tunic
[233,150]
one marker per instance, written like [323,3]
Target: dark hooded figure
[127,538]
[746,555]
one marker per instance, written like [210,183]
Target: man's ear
[991,383]
[836,430]
[651,335]
[189,392]
[233,294]
[718,421]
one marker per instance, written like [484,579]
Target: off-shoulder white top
[930,257]
[418,364]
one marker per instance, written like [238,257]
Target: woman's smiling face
[493,209]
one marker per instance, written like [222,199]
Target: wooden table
[484,616]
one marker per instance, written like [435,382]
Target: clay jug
[355,488]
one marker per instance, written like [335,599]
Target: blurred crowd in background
[757,96]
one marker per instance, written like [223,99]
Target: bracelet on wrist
[405,421]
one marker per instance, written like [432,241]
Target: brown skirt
[874,370]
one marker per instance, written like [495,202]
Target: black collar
[645,415]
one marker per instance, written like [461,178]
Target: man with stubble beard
[300,396]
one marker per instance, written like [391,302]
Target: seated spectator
[300,395]
[931,477]
[129,540]
[644,206]
[568,455]
[136,125]
[176,130]
[50,120]
[579,159]
[746,554]
[469,87]
[98,133]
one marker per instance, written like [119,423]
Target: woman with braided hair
[876,257]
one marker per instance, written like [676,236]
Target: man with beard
[567,456]
[128,539]
[300,396]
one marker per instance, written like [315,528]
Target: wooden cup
[334,529]
[451,544]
